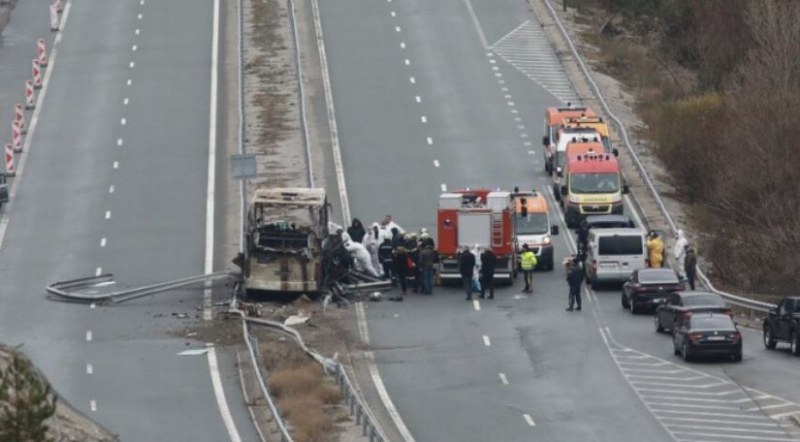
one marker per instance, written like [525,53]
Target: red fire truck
[480,216]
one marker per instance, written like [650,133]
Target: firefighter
[528,263]
[386,256]
[655,249]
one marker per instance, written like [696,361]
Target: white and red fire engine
[477,217]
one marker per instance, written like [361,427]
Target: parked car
[613,254]
[609,221]
[708,334]
[783,325]
[3,188]
[646,289]
[679,305]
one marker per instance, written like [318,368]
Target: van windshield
[620,245]
[594,183]
[532,224]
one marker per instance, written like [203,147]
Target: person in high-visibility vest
[528,263]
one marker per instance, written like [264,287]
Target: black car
[708,334]
[608,221]
[682,304]
[783,325]
[3,188]
[648,288]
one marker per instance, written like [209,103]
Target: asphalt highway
[432,96]
[115,181]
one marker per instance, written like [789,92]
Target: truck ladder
[497,229]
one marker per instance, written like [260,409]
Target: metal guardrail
[364,417]
[92,289]
[732,299]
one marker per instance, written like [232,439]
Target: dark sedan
[708,334]
[648,288]
[682,304]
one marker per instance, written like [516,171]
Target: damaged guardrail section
[732,299]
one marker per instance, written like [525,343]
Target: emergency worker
[488,264]
[690,265]
[575,277]
[679,253]
[655,249]
[386,256]
[466,267]
[528,263]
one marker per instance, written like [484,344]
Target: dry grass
[303,393]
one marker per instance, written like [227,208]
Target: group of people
[685,255]
[387,251]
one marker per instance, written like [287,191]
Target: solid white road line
[208,267]
[503,378]
[216,381]
[477,24]
[486,341]
[529,420]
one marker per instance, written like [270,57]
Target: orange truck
[592,185]
[596,123]
[582,146]
[479,217]
[532,226]
[554,118]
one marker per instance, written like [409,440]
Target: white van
[613,254]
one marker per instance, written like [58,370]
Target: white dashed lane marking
[444,187]
[402,45]
[407,62]
[123,121]
[412,80]
[418,99]
[476,305]
[88,336]
[136,32]
[503,378]
[529,420]
[119,141]
[111,189]
[98,271]
[103,242]
[435,163]
[125,102]
[89,369]
[430,141]
[108,214]
[423,119]
[486,341]
[115,165]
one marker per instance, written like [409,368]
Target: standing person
[528,263]
[583,239]
[466,266]
[488,263]
[655,249]
[389,224]
[372,241]
[690,265]
[356,230]
[425,265]
[397,238]
[402,268]
[679,253]
[575,279]
[386,256]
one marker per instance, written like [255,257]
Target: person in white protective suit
[361,257]
[476,283]
[372,240]
[679,253]
[339,231]
[388,223]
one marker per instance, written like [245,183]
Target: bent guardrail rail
[732,299]
[91,289]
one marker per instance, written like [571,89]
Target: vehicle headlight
[573,199]
[546,239]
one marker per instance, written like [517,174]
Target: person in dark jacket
[356,230]
[575,279]
[425,265]
[403,267]
[397,238]
[583,240]
[386,256]
[466,266]
[690,265]
[488,263]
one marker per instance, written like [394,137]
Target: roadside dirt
[6,6]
